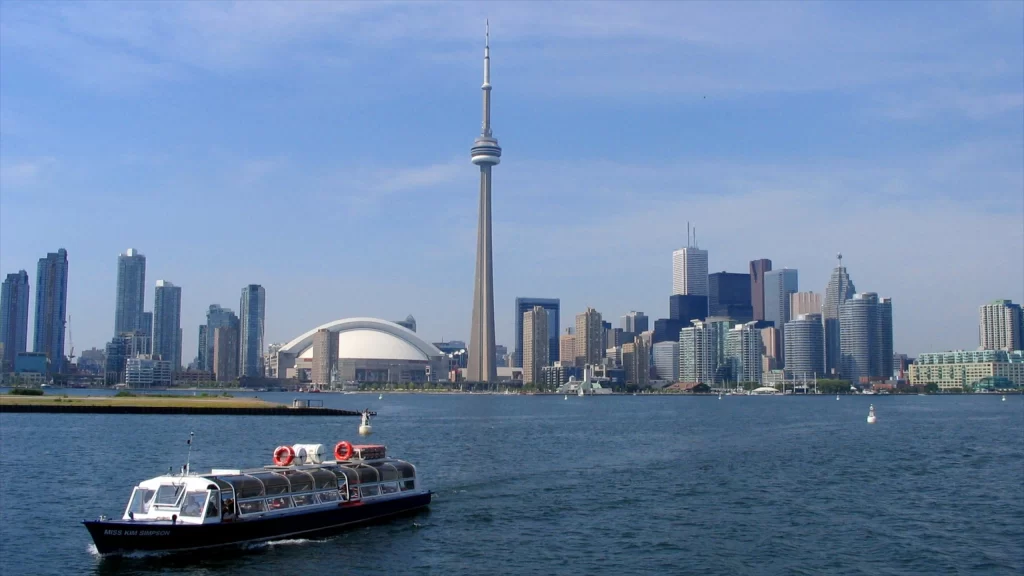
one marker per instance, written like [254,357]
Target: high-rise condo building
[51,308]
[1000,326]
[225,353]
[589,345]
[553,307]
[778,286]
[804,303]
[840,289]
[147,329]
[636,361]
[251,310]
[702,357]
[202,354]
[131,291]
[167,323]
[666,360]
[325,356]
[743,352]
[690,271]
[486,154]
[866,337]
[634,322]
[771,349]
[758,268]
[567,349]
[805,347]
[536,344]
[13,318]
[218,317]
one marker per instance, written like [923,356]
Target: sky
[322,150]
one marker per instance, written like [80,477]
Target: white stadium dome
[368,339]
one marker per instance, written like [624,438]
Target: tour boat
[298,496]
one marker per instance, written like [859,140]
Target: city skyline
[792,170]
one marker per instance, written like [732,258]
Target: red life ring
[343,455]
[283,456]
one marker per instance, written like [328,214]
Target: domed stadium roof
[368,338]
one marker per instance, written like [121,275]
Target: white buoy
[871,414]
[364,427]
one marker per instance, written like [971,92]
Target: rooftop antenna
[695,237]
[840,257]
[687,233]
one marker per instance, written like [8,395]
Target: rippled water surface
[542,485]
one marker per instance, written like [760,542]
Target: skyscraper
[167,323]
[805,303]
[225,353]
[634,322]
[147,329]
[885,351]
[51,308]
[636,359]
[729,295]
[840,289]
[687,307]
[859,337]
[553,307]
[702,353]
[1000,326]
[743,352]
[536,344]
[567,349]
[218,317]
[201,356]
[589,345]
[131,291]
[758,268]
[805,347]
[486,154]
[13,318]
[666,360]
[690,271]
[778,286]
[251,310]
[325,356]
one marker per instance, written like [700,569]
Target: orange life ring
[343,445]
[283,455]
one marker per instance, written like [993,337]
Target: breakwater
[61,408]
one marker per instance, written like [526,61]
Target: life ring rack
[284,455]
[343,450]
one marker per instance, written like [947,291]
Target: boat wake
[94,551]
[286,542]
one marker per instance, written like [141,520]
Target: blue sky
[322,150]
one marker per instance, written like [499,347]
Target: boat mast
[188,459]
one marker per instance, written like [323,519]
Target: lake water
[541,485]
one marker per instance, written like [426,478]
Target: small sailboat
[871,414]
[837,396]
[380,397]
[566,397]
[1004,397]
[719,395]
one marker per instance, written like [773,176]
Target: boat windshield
[142,499]
[194,504]
[169,494]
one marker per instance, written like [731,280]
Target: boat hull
[114,537]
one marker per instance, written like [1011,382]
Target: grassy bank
[141,400]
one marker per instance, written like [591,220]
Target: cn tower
[486,154]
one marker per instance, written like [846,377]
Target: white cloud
[24,172]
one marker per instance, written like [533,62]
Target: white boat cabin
[239,495]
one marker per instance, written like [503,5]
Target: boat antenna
[188,459]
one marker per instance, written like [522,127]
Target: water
[542,485]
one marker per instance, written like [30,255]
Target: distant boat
[566,397]
[579,392]
[837,396]
[381,397]
[1004,397]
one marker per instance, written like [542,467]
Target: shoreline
[144,404]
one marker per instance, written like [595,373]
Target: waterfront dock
[142,404]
